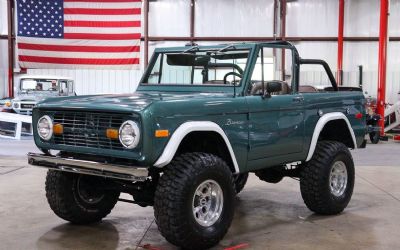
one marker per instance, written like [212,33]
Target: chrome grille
[87,129]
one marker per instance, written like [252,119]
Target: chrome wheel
[338,178]
[87,191]
[207,203]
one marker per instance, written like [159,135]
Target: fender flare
[321,124]
[183,130]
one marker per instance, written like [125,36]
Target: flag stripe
[101,1]
[102,18]
[77,55]
[102,36]
[87,11]
[77,42]
[110,5]
[104,49]
[58,60]
[102,23]
[38,65]
[101,30]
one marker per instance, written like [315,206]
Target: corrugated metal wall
[255,18]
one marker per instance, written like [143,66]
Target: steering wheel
[231,74]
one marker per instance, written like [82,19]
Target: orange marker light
[112,133]
[162,133]
[58,129]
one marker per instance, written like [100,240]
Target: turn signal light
[58,129]
[8,104]
[112,133]
[162,133]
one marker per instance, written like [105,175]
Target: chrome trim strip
[88,167]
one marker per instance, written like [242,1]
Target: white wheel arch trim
[182,131]
[321,124]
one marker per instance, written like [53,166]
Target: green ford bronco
[202,118]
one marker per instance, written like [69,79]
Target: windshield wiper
[226,48]
[192,49]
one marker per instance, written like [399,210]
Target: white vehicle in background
[34,88]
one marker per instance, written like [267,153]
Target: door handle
[298,99]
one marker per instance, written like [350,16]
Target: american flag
[79,33]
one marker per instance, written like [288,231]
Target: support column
[283,36]
[339,75]
[383,38]
[192,20]
[146,32]
[10,38]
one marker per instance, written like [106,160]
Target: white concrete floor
[268,216]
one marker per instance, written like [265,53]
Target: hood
[135,102]
[35,96]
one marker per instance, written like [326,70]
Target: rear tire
[77,198]
[327,180]
[181,202]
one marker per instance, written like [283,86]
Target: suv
[202,118]
[33,89]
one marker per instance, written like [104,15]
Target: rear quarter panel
[347,102]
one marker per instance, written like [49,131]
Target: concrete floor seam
[144,235]
[381,189]
[11,170]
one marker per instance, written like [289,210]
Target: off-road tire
[374,137]
[64,199]
[173,207]
[240,181]
[315,175]
[269,175]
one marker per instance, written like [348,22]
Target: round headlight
[45,127]
[16,105]
[129,134]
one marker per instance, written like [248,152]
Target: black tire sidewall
[63,199]
[228,204]
[315,178]
[344,199]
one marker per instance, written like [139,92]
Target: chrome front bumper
[122,172]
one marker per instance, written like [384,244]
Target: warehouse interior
[358,39]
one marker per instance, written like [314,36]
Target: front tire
[79,199]
[194,201]
[327,180]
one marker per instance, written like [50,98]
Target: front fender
[186,128]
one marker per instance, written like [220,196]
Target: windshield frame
[143,86]
[35,90]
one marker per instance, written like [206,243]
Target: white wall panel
[169,18]
[312,18]
[394,18]
[217,18]
[3,17]
[361,17]
[3,68]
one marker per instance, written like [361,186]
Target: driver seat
[256,88]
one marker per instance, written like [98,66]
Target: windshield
[39,85]
[192,67]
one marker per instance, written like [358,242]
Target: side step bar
[122,172]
